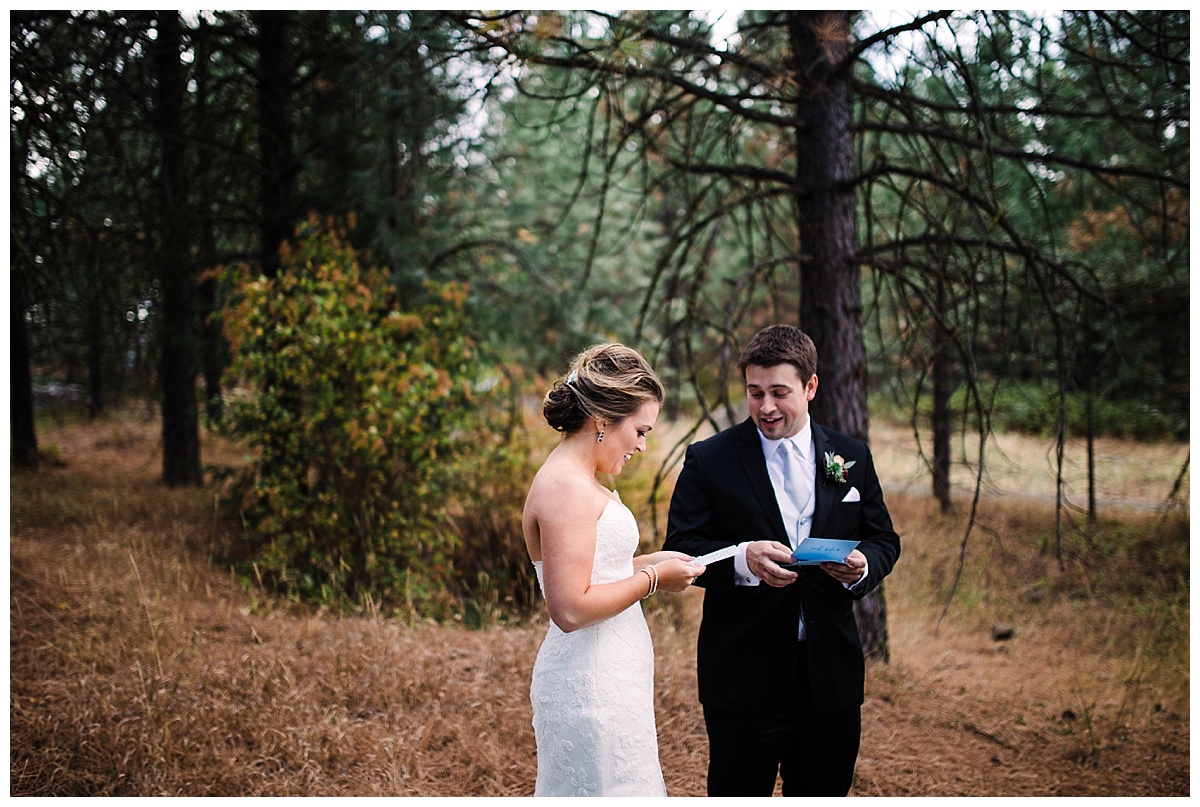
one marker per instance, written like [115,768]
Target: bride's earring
[600,436]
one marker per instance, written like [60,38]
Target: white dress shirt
[798,524]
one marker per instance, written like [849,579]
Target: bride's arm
[566,513]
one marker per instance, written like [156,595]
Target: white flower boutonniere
[836,467]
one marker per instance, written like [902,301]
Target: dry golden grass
[140,668]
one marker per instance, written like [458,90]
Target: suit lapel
[825,493]
[749,448]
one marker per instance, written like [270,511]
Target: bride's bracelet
[651,573]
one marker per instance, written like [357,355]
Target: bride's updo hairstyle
[608,382]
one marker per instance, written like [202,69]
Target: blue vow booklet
[815,551]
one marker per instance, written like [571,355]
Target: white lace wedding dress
[593,689]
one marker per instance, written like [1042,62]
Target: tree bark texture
[830,282]
[871,614]
[180,417]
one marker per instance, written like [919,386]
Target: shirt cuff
[859,581]
[742,575]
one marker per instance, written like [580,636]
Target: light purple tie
[796,485]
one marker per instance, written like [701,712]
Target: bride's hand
[676,573]
[657,557]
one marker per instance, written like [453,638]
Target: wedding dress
[593,689]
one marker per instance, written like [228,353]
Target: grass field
[140,668]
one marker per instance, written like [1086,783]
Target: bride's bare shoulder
[558,490]
[559,501]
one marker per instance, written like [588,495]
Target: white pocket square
[853,495]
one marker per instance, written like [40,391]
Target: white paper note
[713,557]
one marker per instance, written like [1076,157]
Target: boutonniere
[836,467]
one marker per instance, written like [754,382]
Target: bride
[593,680]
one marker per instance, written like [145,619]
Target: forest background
[357,246]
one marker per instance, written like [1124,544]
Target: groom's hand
[763,559]
[849,572]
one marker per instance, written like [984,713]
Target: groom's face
[778,399]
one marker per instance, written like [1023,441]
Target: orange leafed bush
[356,395]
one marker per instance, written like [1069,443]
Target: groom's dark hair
[780,344]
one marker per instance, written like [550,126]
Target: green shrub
[356,404]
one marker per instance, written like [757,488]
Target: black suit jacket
[747,643]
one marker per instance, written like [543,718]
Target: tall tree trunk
[1091,460]
[95,339]
[409,118]
[830,282]
[397,192]
[1091,372]
[275,146]
[941,405]
[214,350]
[276,152]
[24,435]
[181,425]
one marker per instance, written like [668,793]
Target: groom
[780,664]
